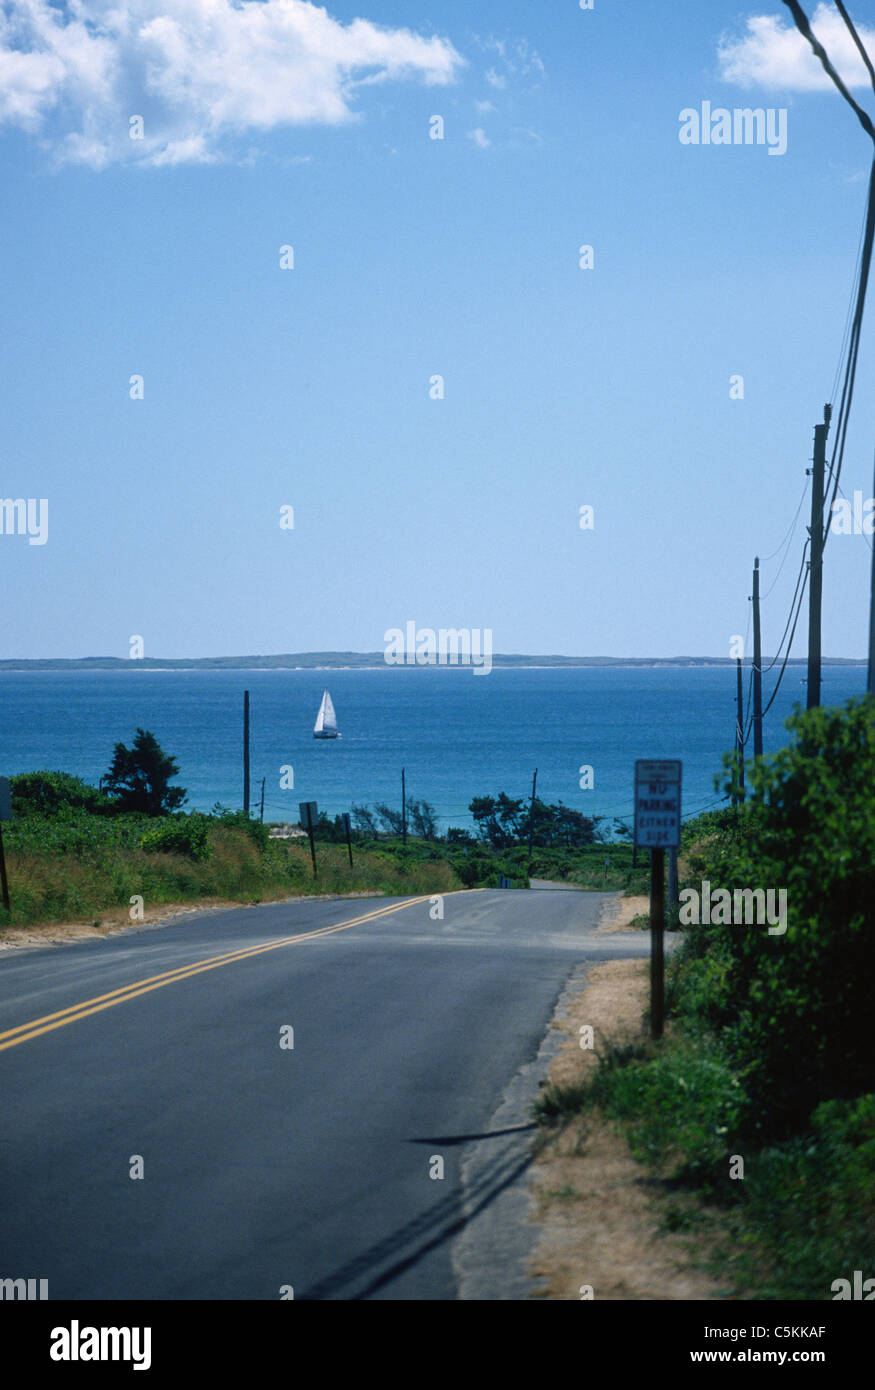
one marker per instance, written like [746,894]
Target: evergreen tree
[138,777]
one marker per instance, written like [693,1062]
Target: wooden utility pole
[870,682]
[403,808]
[757,666]
[673,877]
[739,728]
[657,952]
[5,814]
[246,752]
[4,883]
[815,564]
[532,815]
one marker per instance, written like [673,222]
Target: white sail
[326,719]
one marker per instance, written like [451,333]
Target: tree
[502,822]
[392,820]
[138,777]
[793,1001]
[423,821]
[51,793]
[364,822]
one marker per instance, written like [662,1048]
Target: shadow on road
[416,1239]
[447,1140]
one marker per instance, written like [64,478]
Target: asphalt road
[267,1166]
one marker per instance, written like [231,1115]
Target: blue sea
[458,735]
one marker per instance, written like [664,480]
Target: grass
[75,864]
[72,870]
[802,1215]
[755,1111]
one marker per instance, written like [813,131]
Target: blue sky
[276,123]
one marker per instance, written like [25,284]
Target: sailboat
[326,719]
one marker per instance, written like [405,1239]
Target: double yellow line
[37,1026]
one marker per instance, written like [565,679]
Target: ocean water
[458,735]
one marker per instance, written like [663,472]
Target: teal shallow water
[458,735]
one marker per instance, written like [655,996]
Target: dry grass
[604,1222]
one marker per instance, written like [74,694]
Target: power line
[787,537]
[804,27]
[779,648]
[857,40]
[789,649]
[849,317]
[787,551]
[854,349]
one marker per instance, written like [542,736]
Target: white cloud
[480,138]
[198,71]
[483,107]
[774,54]
[517,60]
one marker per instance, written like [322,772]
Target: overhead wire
[804,26]
[850,346]
[789,649]
[780,646]
[791,533]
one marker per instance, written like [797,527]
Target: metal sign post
[308,812]
[657,828]
[5,814]
[347,827]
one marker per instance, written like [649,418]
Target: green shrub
[258,832]
[794,1009]
[182,834]
[685,1106]
[50,793]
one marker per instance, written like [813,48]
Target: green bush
[685,1105]
[51,793]
[258,832]
[794,1009]
[810,1200]
[182,834]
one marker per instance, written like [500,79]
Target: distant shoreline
[373,661]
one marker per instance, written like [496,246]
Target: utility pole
[757,666]
[532,815]
[739,728]
[4,883]
[246,752]
[5,814]
[657,948]
[870,682]
[815,564]
[403,809]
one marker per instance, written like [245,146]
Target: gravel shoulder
[601,1216]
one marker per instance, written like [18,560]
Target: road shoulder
[603,1221]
